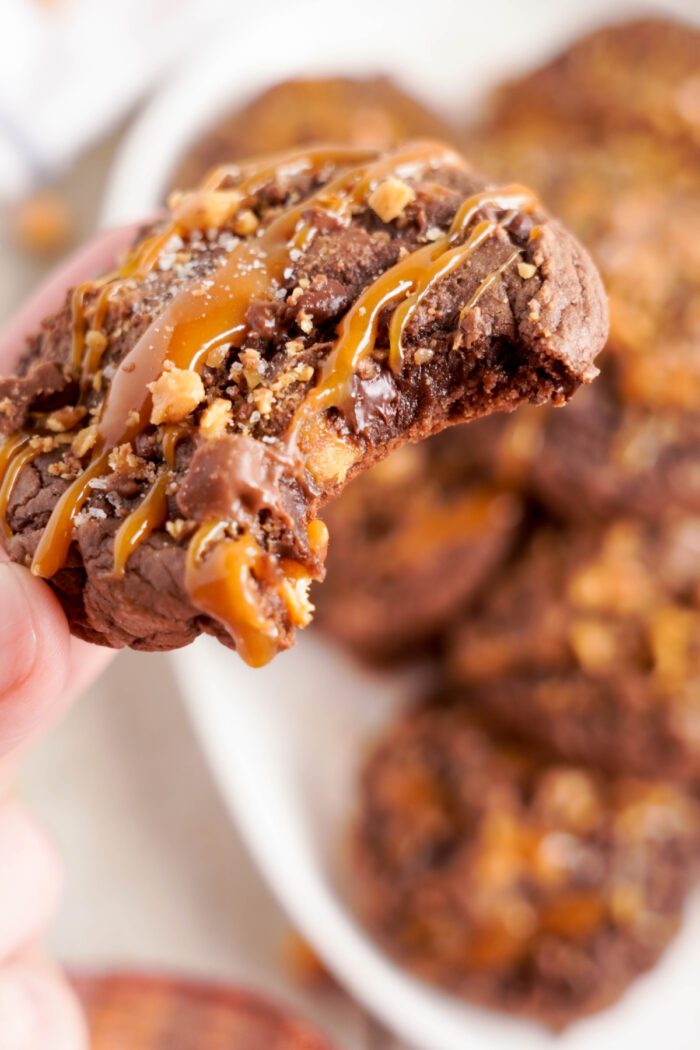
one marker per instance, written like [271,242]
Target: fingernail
[18,1013]
[17,633]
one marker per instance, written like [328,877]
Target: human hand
[41,668]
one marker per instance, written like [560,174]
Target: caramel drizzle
[221,578]
[187,214]
[16,453]
[416,274]
[14,456]
[221,572]
[152,511]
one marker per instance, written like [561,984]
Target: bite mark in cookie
[217,389]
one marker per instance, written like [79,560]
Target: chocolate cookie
[589,643]
[175,430]
[152,1013]
[622,167]
[349,111]
[533,887]
[413,541]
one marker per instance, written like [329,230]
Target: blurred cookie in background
[137,1012]
[640,74]
[589,643]
[412,543]
[609,135]
[369,111]
[534,887]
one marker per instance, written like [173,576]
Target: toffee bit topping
[390,198]
[263,399]
[65,418]
[245,223]
[526,270]
[215,419]
[176,393]
[85,440]
[95,340]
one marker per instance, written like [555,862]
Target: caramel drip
[417,273]
[357,334]
[445,259]
[439,267]
[78,323]
[15,454]
[55,540]
[220,577]
[488,282]
[151,513]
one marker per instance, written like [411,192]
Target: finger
[38,1011]
[30,879]
[35,656]
[89,261]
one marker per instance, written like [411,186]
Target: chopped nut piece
[123,460]
[305,373]
[65,418]
[263,398]
[84,440]
[422,356]
[95,340]
[294,346]
[305,322]
[526,270]
[390,198]
[176,393]
[43,444]
[215,419]
[245,223]
[329,456]
[216,357]
[295,595]
[252,378]
[178,528]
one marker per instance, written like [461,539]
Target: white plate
[284,743]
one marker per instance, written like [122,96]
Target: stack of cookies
[527,837]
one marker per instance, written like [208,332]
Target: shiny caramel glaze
[227,567]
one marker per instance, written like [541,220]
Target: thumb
[34,655]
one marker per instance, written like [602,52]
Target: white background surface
[156,873]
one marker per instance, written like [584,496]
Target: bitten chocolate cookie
[533,887]
[175,430]
[623,168]
[135,1012]
[348,111]
[590,644]
[413,541]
